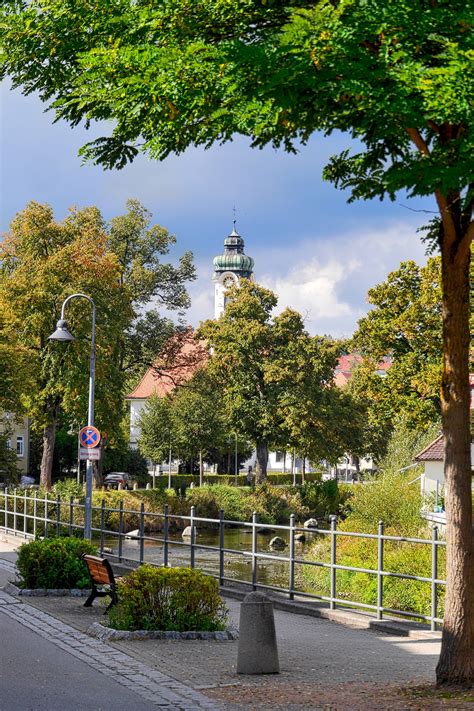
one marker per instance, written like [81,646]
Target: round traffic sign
[89,437]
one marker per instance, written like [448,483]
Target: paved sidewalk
[324,665]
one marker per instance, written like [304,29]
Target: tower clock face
[228,281]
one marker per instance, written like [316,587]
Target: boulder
[187,532]
[311,523]
[133,534]
[277,543]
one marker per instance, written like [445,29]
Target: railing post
[5,491]
[254,550]
[191,523]
[434,576]
[120,531]
[102,526]
[14,509]
[35,511]
[332,594]
[292,557]
[165,536]
[25,515]
[71,515]
[380,570]
[46,522]
[221,547]
[58,515]
[142,532]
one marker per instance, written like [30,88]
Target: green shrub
[326,497]
[391,498]
[54,563]
[272,504]
[168,599]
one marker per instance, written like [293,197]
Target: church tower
[229,268]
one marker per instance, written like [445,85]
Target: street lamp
[62,334]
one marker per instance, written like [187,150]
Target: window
[278,456]
[9,443]
[20,442]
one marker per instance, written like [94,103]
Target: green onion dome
[234,259]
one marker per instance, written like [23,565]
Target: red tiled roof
[180,359]
[434,452]
[347,363]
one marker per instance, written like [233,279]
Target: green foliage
[168,599]
[120,266]
[392,496]
[9,472]
[376,69]
[324,498]
[275,379]
[399,557]
[54,563]
[272,504]
[406,325]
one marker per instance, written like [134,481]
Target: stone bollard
[257,651]
[148,486]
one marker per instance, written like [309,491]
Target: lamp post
[62,334]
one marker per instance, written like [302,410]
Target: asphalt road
[37,676]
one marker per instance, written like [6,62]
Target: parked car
[113,479]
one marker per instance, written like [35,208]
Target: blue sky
[318,253]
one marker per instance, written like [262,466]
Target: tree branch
[418,140]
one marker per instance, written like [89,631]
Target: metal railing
[33,516]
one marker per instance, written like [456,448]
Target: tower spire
[234,232]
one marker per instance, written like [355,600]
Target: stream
[237,565]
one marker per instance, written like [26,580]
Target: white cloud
[311,288]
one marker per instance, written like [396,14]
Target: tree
[198,418]
[405,324]
[119,266]
[43,262]
[157,440]
[147,283]
[272,374]
[394,74]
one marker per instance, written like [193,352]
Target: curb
[106,634]
[13,589]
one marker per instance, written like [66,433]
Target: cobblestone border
[107,633]
[13,589]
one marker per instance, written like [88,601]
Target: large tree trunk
[456,662]
[262,461]
[49,438]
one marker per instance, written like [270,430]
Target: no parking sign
[89,437]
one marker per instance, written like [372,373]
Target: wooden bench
[101,573]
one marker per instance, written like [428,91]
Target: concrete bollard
[257,651]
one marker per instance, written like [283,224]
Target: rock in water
[277,543]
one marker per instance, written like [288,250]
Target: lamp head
[61,333]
